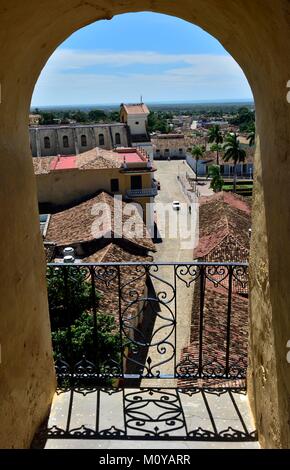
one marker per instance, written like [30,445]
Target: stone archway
[256,33]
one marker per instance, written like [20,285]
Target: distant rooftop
[136,108]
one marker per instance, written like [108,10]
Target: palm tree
[215,137]
[234,152]
[252,135]
[197,153]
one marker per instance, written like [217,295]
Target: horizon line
[174,102]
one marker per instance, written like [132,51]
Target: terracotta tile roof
[215,334]
[133,284]
[234,200]
[224,223]
[138,108]
[96,158]
[80,224]
[42,165]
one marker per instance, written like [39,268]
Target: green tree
[76,332]
[244,118]
[82,337]
[234,153]
[114,116]
[80,116]
[216,148]
[217,181]
[197,153]
[157,122]
[96,115]
[69,295]
[215,137]
[252,135]
[48,118]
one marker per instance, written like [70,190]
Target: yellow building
[66,180]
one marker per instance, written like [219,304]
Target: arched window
[117,139]
[84,141]
[101,139]
[46,142]
[65,141]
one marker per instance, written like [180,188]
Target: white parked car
[176,205]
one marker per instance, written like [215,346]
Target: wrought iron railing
[145,192]
[115,322]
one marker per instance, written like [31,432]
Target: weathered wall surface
[74,134]
[256,33]
[66,187]
[61,188]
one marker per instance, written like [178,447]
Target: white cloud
[68,77]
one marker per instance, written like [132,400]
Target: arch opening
[251,51]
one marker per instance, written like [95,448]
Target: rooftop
[109,301]
[136,108]
[215,333]
[226,218]
[95,219]
[96,158]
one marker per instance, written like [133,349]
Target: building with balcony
[65,180]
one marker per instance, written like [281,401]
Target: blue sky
[159,57]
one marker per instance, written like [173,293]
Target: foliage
[69,295]
[217,181]
[96,115]
[215,137]
[113,116]
[197,153]
[81,117]
[252,135]
[244,119]
[81,339]
[234,152]
[72,321]
[216,148]
[157,121]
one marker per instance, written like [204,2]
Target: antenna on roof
[141,99]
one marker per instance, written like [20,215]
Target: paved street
[172,250]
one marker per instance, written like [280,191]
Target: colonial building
[244,170]
[171,146]
[65,180]
[76,138]
[135,116]
[73,139]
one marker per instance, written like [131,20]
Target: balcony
[146,192]
[148,380]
